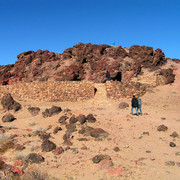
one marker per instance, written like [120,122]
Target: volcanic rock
[174,134]
[100,157]
[162,128]
[8,103]
[34,110]
[123,105]
[56,129]
[172,144]
[52,111]
[47,146]
[90,118]
[63,119]
[81,118]
[85,130]
[98,133]
[44,135]
[58,150]
[71,127]
[8,118]
[73,120]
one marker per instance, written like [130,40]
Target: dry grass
[36,174]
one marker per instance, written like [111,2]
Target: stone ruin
[132,70]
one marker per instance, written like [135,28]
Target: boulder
[58,150]
[73,120]
[90,118]
[98,133]
[162,128]
[8,103]
[52,111]
[34,110]
[56,129]
[63,119]
[47,146]
[8,118]
[98,158]
[123,105]
[81,119]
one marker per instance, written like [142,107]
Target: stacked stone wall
[51,90]
[138,86]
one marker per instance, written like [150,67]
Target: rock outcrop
[82,62]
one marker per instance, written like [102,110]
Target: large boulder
[47,146]
[8,103]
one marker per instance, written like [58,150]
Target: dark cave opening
[118,77]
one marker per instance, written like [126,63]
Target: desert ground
[142,152]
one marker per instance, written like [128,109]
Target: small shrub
[8,144]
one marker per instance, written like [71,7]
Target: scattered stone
[172,144]
[116,171]
[178,154]
[8,103]
[73,120]
[82,139]
[2,163]
[34,110]
[100,157]
[63,119]
[90,118]
[85,130]
[81,119]
[116,149]
[8,118]
[84,147]
[105,164]
[58,150]
[145,114]
[56,129]
[74,150]
[146,133]
[34,158]
[148,151]
[20,147]
[163,118]
[152,158]
[174,134]
[170,163]
[178,164]
[44,135]
[71,127]
[98,133]
[162,128]
[123,105]
[47,146]
[52,111]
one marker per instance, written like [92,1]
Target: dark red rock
[73,120]
[123,105]
[34,110]
[90,118]
[51,111]
[81,119]
[168,75]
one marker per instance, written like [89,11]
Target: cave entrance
[118,77]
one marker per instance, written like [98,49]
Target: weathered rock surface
[90,118]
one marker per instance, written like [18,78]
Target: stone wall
[51,90]
[139,86]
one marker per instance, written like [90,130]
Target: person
[108,76]
[134,103]
[139,104]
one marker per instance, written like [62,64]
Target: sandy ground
[141,156]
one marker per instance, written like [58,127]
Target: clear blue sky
[56,25]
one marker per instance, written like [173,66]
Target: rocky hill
[86,62]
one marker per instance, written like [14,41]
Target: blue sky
[56,25]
